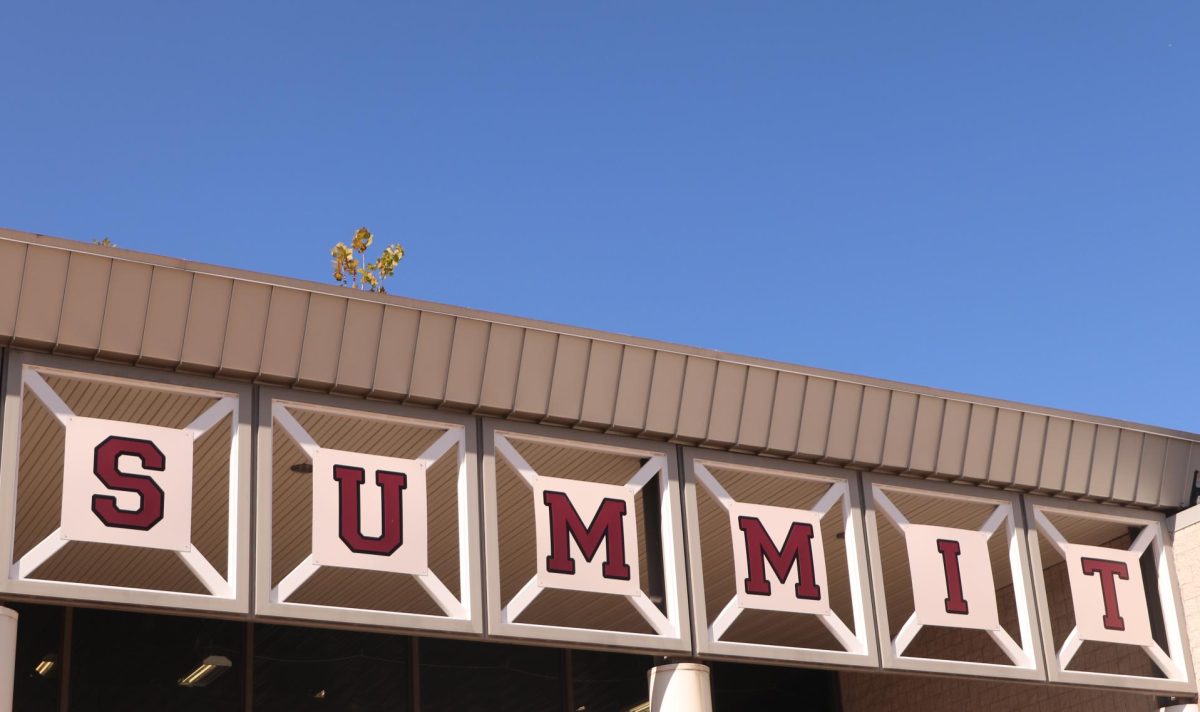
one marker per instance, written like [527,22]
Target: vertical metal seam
[800,419]
[766,437]
[487,344]
[308,297]
[1037,474]
[262,347]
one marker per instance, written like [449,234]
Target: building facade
[232,491]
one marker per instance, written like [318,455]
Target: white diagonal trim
[856,592]
[653,616]
[294,580]
[1143,540]
[464,533]
[211,417]
[704,477]
[1014,652]
[295,430]
[724,619]
[889,510]
[235,470]
[441,446]
[1166,598]
[505,448]
[907,632]
[212,580]
[830,498]
[34,381]
[993,522]
[1057,540]
[1017,570]
[1163,661]
[652,467]
[518,603]
[441,595]
[1069,647]
[38,555]
[850,642]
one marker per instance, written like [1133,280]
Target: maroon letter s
[105,467]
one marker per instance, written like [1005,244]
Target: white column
[8,656]
[682,687]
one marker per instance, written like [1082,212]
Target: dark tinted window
[36,675]
[481,677]
[130,661]
[738,687]
[608,682]
[299,669]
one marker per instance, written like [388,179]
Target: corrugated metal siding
[96,302]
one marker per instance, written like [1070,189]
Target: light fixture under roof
[210,669]
[46,665]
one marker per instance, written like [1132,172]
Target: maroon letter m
[391,535]
[796,551]
[607,526]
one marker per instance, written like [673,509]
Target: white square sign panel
[127,483]
[778,558]
[586,536]
[952,580]
[1108,594]
[369,512]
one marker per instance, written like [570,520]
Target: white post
[682,687]
[8,656]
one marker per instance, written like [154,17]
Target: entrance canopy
[187,437]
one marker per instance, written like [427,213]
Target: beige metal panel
[1079,458]
[535,373]
[1004,447]
[666,388]
[1150,469]
[897,441]
[360,346]
[872,426]
[125,310]
[699,376]
[431,360]
[927,432]
[814,418]
[397,344]
[500,369]
[12,265]
[207,312]
[41,298]
[755,421]
[83,303]
[467,356]
[728,389]
[1054,454]
[633,389]
[322,341]
[1129,456]
[1104,462]
[1029,451]
[283,334]
[952,445]
[980,430]
[166,317]
[570,374]
[843,422]
[241,352]
[785,413]
[1177,477]
[600,387]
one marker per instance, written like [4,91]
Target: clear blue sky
[994,197]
